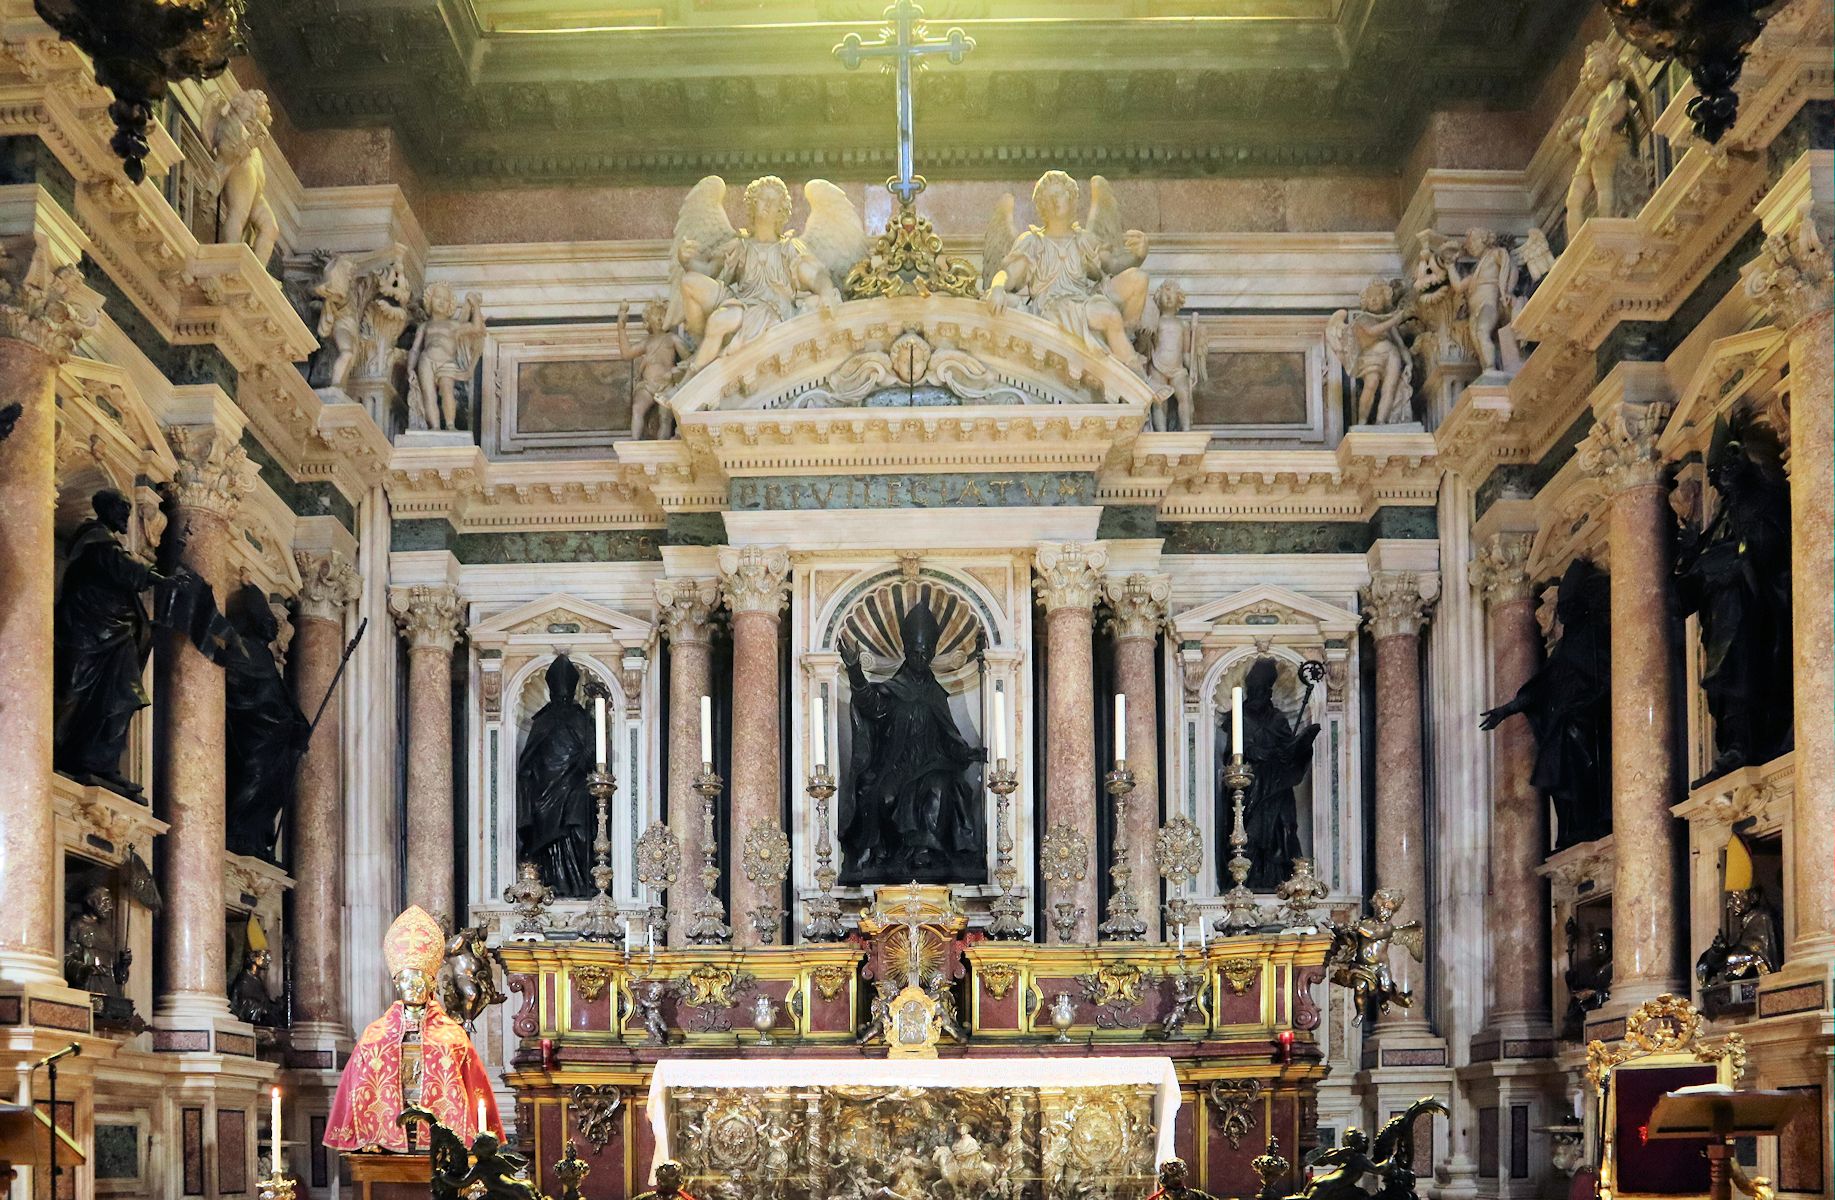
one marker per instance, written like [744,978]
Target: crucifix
[904,43]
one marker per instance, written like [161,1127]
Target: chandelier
[1708,37]
[140,47]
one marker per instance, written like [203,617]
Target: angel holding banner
[728,286]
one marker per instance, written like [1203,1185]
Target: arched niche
[1293,700]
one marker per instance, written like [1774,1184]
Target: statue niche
[1280,751]
[555,810]
[910,810]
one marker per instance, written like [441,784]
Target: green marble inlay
[183,365]
[1265,537]
[1128,521]
[425,534]
[1417,521]
[1524,480]
[309,498]
[832,492]
[571,546]
[694,529]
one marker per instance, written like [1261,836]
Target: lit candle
[481,1128]
[1236,721]
[707,729]
[1203,943]
[818,731]
[1000,724]
[599,729]
[1181,939]
[1121,728]
[650,938]
[274,1127]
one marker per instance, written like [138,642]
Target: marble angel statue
[1368,342]
[235,130]
[1175,360]
[1620,113]
[1085,278]
[1488,276]
[445,347]
[1359,956]
[656,358]
[727,286]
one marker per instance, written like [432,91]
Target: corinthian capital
[214,473]
[1395,604]
[755,578]
[1070,574]
[428,615]
[1791,276]
[683,607]
[1500,569]
[1622,449]
[41,305]
[1139,604]
[327,584]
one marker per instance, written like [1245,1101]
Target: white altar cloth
[921,1073]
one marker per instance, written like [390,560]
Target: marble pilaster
[214,473]
[430,618]
[1397,607]
[37,326]
[1069,583]
[755,581]
[1138,606]
[328,585]
[684,607]
[1792,278]
[1647,957]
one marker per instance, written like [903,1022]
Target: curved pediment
[910,351]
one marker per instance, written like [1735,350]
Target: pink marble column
[213,475]
[1396,608]
[1069,581]
[1647,955]
[1516,917]
[1793,279]
[430,618]
[1138,603]
[755,582]
[328,585]
[34,338]
[683,609]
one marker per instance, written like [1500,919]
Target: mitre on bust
[413,1054]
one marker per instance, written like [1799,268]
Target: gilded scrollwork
[1235,1101]
[1239,973]
[1115,991]
[829,979]
[590,979]
[593,1110]
[712,992]
[998,978]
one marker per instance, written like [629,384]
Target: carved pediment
[560,619]
[1267,612]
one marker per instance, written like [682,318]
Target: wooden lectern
[1721,1114]
[381,1176]
[25,1141]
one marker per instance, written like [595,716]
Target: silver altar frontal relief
[1031,1126]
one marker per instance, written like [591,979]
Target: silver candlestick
[1124,922]
[659,858]
[1008,909]
[824,910]
[1178,852]
[1241,914]
[600,922]
[709,927]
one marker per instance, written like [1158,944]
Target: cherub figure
[1175,363]
[1187,990]
[1618,115]
[655,367]
[1359,956]
[727,286]
[1367,340]
[1084,278]
[879,1013]
[647,996]
[445,347]
[235,133]
[341,298]
[1485,290]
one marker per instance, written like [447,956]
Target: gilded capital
[1500,569]
[1791,276]
[1070,574]
[755,578]
[1621,450]
[1138,604]
[683,607]
[1395,604]
[428,615]
[328,583]
[41,305]
[214,473]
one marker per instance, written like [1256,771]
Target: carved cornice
[214,472]
[327,584]
[1070,574]
[1395,604]
[1500,569]
[755,578]
[428,616]
[1138,605]
[683,609]
[1621,451]
[459,485]
[46,306]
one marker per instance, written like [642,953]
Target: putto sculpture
[1390,1158]
[1359,956]
[1175,360]
[1619,114]
[235,132]
[1368,343]
[1479,280]
[440,360]
[653,373]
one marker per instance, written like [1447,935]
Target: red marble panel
[232,1152]
[191,1135]
[643,1145]
[1000,1013]
[831,1016]
[591,1014]
[549,1138]
[607,1180]
[1232,1009]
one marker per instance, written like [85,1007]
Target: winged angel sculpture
[1359,956]
[728,286]
[1389,1161]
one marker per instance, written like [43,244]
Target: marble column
[430,618]
[1647,957]
[683,608]
[36,332]
[1792,278]
[214,473]
[328,585]
[1138,603]
[1069,581]
[1397,608]
[1516,914]
[755,581]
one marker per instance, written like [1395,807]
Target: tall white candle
[707,729]
[274,1127]
[1000,724]
[1121,727]
[818,731]
[481,1128]
[1236,721]
[1181,939]
[599,730]
[1203,943]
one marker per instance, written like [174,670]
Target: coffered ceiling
[493,91]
